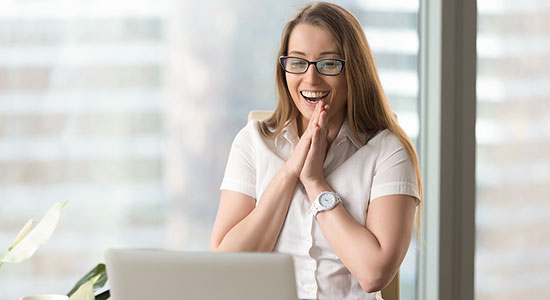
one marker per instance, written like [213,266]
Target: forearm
[357,248]
[260,229]
[354,244]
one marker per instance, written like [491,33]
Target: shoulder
[251,129]
[383,145]
[390,140]
[249,135]
[384,140]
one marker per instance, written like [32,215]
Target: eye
[330,64]
[297,63]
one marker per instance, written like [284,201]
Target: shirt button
[308,240]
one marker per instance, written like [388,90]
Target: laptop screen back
[146,274]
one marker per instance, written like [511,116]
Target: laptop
[150,274]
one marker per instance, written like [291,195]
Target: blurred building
[128,110]
[513,150]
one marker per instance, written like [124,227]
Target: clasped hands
[306,161]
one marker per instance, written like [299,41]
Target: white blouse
[359,174]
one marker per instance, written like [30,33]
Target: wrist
[287,172]
[326,201]
[324,215]
[314,187]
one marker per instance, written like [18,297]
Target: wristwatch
[325,201]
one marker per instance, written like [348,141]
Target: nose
[311,76]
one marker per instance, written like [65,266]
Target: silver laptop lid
[149,274]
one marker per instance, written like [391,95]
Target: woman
[330,178]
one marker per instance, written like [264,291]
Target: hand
[312,169]
[295,162]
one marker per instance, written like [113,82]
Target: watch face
[327,200]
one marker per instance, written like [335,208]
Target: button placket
[312,263]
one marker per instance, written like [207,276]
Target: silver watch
[325,201]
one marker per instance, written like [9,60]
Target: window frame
[447,72]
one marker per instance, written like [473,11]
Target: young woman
[330,178]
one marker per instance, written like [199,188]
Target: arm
[240,226]
[372,252]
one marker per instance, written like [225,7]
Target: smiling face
[314,43]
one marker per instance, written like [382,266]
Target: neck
[334,124]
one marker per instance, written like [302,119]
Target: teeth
[314,94]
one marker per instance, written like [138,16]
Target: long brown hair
[368,109]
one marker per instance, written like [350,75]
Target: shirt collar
[346,134]
[290,133]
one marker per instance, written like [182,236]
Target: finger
[322,120]
[322,105]
[321,108]
[314,139]
[313,118]
[323,125]
[323,134]
[326,109]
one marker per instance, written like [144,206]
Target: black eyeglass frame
[282,58]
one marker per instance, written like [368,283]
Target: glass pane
[128,110]
[513,158]
[392,30]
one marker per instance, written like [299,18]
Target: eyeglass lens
[324,66]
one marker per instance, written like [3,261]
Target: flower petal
[22,233]
[36,237]
[85,291]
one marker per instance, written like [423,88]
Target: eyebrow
[322,53]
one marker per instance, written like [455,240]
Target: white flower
[29,239]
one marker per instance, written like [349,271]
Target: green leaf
[100,271]
[85,291]
[27,245]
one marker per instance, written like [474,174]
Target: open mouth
[314,97]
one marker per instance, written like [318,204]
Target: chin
[306,112]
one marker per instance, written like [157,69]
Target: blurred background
[128,110]
[513,150]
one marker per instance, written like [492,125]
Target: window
[128,110]
[513,161]
[391,28]
[81,119]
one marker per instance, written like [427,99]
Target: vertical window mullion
[447,147]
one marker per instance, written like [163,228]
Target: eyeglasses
[325,66]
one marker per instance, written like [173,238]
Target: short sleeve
[394,172]
[240,171]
